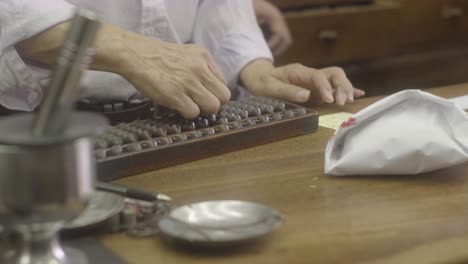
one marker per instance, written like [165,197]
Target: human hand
[181,77]
[298,83]
[269,15]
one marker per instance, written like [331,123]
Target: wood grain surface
[382,28]
[327,36]
[380,219]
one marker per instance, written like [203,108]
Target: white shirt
[228,28]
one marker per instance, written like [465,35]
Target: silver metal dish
[219,223]
[103,205]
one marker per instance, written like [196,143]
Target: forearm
[113,48]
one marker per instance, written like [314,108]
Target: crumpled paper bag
[409,132]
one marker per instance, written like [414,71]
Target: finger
[188,108]
[358,92]
[182,103]
[216,70]
[339,81]
[216,87]
[289,92]
[206,101]
[341,95]
[314,80]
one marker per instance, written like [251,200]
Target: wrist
[252,74]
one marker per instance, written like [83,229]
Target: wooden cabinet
[432,24]
[332,35]
[336,34]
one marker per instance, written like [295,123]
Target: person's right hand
[180,77]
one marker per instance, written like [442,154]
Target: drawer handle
[328,35]
[449,12]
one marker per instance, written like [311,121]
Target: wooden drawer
[287,4]
[434,23]
[332,35]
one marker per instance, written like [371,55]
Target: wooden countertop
[392,219]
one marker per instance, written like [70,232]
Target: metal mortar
[43,183]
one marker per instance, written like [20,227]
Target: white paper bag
[462,101]
[407,133]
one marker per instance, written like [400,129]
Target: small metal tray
[219,223]
[103,205]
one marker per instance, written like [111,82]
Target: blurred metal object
[103,206]
[219,223]
[63,88]
[47,166]
[128,218]
[147,216]
[43,183]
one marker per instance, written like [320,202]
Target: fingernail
[329,98]
[302,96]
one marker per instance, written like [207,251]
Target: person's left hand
[269,15]
[298,83]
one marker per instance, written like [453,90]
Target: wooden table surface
[379,219]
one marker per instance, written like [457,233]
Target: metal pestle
[63,88]
[47,167]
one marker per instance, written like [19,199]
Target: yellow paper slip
[334,121]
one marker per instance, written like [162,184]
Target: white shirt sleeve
[19,20]
[229,29]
